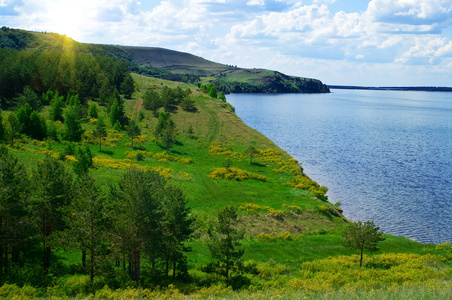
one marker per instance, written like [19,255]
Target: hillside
[170,64]
[115,185]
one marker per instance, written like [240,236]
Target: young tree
[38,127]
[23,116]
[14,127]
[84,161]
[251,151]
[128,86]
[2,129]
[92,111]
[72,127]
[161,124]
[362,236]
[87,220]
[152,101]
[133,130]
[100,131]
[56,109]
[223,245]
[114,112]
[53,192]
[169,133]
[177,226]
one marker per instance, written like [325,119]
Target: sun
[70,18]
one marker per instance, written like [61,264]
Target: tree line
[89,76]
[141,216]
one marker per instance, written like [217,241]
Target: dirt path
[136,109]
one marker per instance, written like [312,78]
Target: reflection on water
[385,155]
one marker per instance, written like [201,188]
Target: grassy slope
[281,262]
[214,122]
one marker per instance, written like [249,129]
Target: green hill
[292,241]
[170,64]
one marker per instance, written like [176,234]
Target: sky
[343,42]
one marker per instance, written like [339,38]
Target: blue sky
[349,42]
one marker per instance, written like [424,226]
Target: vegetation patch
[234,173]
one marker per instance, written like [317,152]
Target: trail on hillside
[214,124]
[136,109]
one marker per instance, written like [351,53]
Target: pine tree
[224,243]
[53,191]
[114,112]
[177,227]
[100,131]
[88,221]
[133,130]
[137,199]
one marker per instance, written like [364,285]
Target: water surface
[385,155]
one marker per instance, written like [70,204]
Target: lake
[386,156]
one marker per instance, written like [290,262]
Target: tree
[38,127]
[72,127]
[114,112]
[224,243]
[87,220]
[84,161]
[128,86]
[152,101]
[137,198]
[23,116]
[56,109]
[53,192]
[100,131]
[2,129]
[212,90]
[362,236]
[92,111]
[251,151]
[169,133]
[15,207]
[177,226]
[14,127]
[133,130]
[161,124]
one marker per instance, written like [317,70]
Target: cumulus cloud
[279,34]
[413,12]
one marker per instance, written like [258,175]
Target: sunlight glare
[70,18]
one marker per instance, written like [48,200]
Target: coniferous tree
[152,101]
[128,86]
[72,127]
[84,161]
[138,212]
[15,219]
[176,226]
[53,192]
[14,128]
[133,130]
[2,129]
[56,109]
[92,112]
[100,131]
[88,220]
[224,243]
[114,112]
[23,116]
[38,127]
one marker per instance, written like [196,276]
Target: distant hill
[393,88]
[170,64]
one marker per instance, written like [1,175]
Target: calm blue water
[385,155]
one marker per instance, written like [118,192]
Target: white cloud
[414,12]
